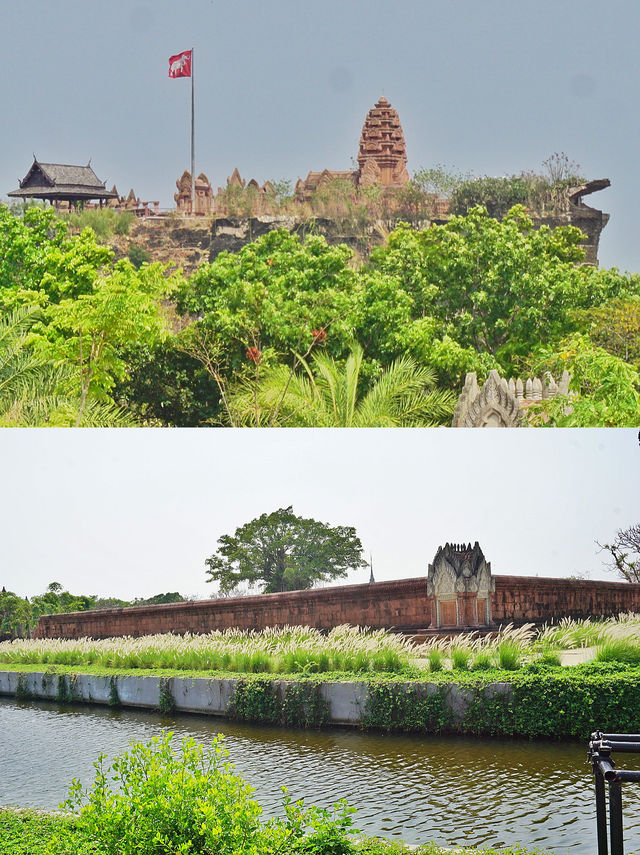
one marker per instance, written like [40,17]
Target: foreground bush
[26,832]
[156,800]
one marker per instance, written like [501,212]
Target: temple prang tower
[382,155]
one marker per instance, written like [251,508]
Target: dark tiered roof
[63,182]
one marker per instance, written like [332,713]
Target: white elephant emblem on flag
[180,64]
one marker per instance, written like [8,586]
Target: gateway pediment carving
[460,575]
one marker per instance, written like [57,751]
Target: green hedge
[542,702]
[545,702]
[298,704]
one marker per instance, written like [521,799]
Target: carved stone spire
[382,157]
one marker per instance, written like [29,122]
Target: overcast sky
[135,512]
[492,86]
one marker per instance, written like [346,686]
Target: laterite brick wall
[402,605]
[529,599]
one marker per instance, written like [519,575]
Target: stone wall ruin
[458,593]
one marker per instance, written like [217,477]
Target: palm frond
[326,393]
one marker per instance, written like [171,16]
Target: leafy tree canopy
[605,389]
[615,326]
[91,307]
[273,294]
[19,615]
[498,288]
[283,552]
[160,599]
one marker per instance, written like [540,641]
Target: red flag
[180,64]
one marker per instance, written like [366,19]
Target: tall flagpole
[193,178]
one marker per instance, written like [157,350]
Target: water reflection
[450,790]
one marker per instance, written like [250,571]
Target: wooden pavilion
[61,182]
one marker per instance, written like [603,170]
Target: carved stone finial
[537,389]
[235,179]
[501,403]
[183,197]
[550,389]
[492,406]
[470,392]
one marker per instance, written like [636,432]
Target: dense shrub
[406,707]
[27,832]
[298,704]
[541,701]
[154,799]
[138,255]
[497,195]
[103,221]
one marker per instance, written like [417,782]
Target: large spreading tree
[283,552]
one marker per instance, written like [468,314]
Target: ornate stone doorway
[459,584]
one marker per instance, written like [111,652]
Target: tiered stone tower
[382,157]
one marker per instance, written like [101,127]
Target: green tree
[282,191]
[92,308]
[272,295]
[615,326]
[499,287]
[138,255]
[160,599]
[497,195]
[25,244]
[331,394]
[35,392]
[89,330]
[605,389]
[165,385]
[15,615]
[439,180]
[283,552]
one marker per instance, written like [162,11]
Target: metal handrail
[604,770]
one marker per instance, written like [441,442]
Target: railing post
[601,811]
[615,818]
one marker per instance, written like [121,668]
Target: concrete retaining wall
[346,701]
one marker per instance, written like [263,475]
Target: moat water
[478,792]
